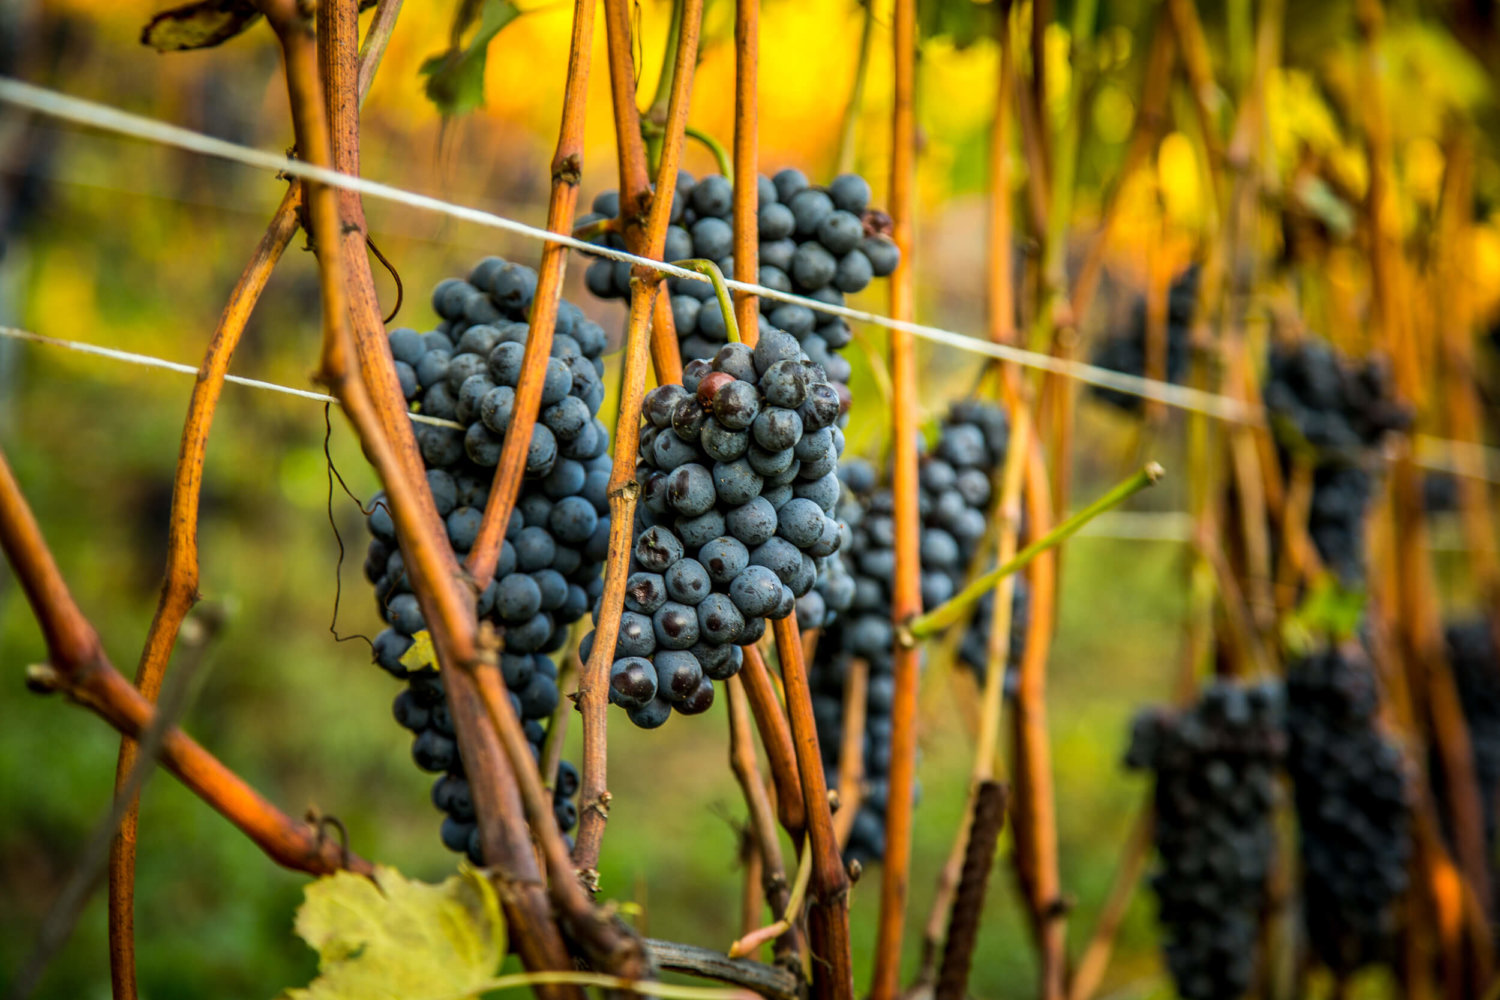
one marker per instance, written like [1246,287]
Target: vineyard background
[134,246]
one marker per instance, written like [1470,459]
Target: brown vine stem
[645,300]
[1146,129]
[1095,958]
[180,586]
[374,405]
[78,666]
[635,175]
[906,595]
[1197,63]
[828,900]
[1417,615]
[567,166]
[1000,232]
[968,904]
[776,737]
[762,822]
[1033,808]
[771,982]
[746,157]
[991,703]
[179,590]
[1465,412]
[606,941]
[852,750]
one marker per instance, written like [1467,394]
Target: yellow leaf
[421,654]
[398,939]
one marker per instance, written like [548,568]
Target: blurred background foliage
[112,241]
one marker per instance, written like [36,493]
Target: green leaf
[455,79]
[1329,612]
[199,25]
[959,22]
[394,938]
[421,654]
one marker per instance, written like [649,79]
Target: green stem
[593,230]
[645,987]
[653,131]
[721,292]
[655,118]
[750,942]
[952,611]
[857,94]
[721,155]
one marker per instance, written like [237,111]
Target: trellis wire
[147,361]
[83,112]
[1439,454]
[1459,457]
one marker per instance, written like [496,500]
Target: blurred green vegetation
[136,247]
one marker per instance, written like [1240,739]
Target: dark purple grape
[676,626]
[755,592]
[724,558]
[687,581]
[645,592]
[690,489]
[632,682]
[637,635]
[651,715]
[677,674]
[719,621]
[695,532]
[737,405]
[753,522]
[700,701]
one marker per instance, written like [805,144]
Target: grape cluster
[1341,497]
[1318,398]
[1126,350]
[549,572]
[954,484]
[738,469]
[1215,769]
[864,631]
[1339,412]
[1476,674]
[1352,806]
[823,243]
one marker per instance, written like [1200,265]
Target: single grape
[677,674]
[687,581]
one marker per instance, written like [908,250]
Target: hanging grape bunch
[1127,350]
[1353,807]
[1334,414]
[823,243]
[1476,674]
[864,631]
[738,468]
[550,565]
[955,483]
[1215,770]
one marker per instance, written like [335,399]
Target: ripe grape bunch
[466,370]
[955,483]
[1325,407]
[738,469]
[1352,807]
[822,243]
[1476,674]
[1128,350]
[1215,769]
